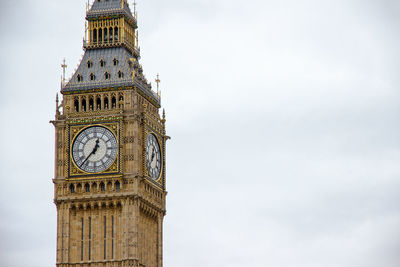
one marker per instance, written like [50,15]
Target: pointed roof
[110,7]
[114,61]
[110,67]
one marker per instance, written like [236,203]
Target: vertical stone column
[160,240]
[80,103]
[66,233]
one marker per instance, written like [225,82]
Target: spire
[163,120]
[64,67]
[134,9]
[158,82]
[57,106]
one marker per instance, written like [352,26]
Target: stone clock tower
[109,184]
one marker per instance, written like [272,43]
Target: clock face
[94,149]
[153,157]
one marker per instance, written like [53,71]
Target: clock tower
[109,183]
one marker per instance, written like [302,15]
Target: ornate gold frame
[74,171]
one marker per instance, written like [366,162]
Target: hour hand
[96,147]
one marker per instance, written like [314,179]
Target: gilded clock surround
[74,131]
[115,217]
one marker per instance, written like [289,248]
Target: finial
[137,38]
[63,66]
[57,106]
[163,116]
[158,82]
[134,9]
[86,31]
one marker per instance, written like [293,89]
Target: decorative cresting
[110,147]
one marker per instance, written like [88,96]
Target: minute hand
[91,153]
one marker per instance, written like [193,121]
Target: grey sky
[284,122]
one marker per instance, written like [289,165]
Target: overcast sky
[284,117]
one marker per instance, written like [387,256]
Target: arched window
[115,62]
[76,105]
[116,34]
[79,188]
[109,186]
[89,64]
[92,77]
[87,188]
[79,78]
[72,188]
[106,103]
[100,36]
[91,104]
[107,75]
[98,103]
[94,187]
[83,104]
[105,35]
[111,34]
[102,187]
[117,186]
[102,63]
[95,36]
[114,102]
[121,102]
[120,74]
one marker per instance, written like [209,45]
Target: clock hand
[91,153]
[96,146]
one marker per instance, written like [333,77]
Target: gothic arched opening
[106,103]
[105,35]
[83,104]
[91,104]
[72,188]
[100,36]
[114,102]
[87,188]
[76,105]
[94,36]
[110,35]
[116,34]
[98,103]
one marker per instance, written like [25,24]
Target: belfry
[110,141]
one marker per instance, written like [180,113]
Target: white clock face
[95,149]
[153,157]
